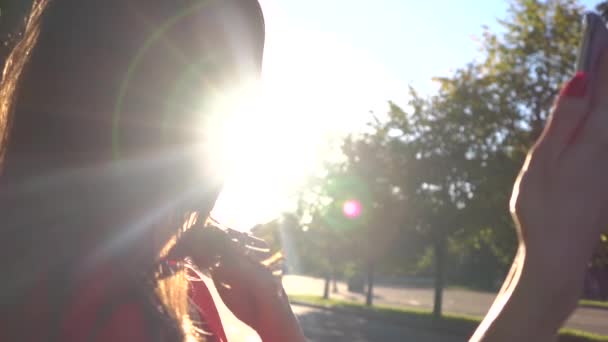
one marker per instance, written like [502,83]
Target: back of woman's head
[102,108]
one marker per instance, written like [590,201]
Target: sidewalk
[460,301]
[456,301]
[334,325]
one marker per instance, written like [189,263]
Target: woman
[105,165]
[560,205]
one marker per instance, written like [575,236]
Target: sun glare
[352,209]
[265,151]
[273,133]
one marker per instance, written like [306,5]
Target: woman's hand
[560,205]
[257,298]
[560,200]
[245,284]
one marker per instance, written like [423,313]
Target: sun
[266,150]
[274,132]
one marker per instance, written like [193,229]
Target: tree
[602,8]
[510,94]
[328,238]
[439,171]
[450,160]
[488,114]
[361,237]
[368,161]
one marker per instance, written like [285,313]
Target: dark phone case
[595,40]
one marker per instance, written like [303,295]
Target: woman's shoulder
[92,309]
[99,308]
[103,309]
[124,313]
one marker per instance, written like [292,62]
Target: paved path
[325,326]
[455,301]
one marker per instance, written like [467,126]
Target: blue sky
[327,64]
[414,39]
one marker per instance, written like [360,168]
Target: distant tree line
[434,177]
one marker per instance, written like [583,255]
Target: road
[455,301]
[325,326]
[322,326]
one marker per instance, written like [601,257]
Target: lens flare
[352,209]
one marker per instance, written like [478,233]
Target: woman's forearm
[279,323]
[285,329]
[528,307]
[515,266]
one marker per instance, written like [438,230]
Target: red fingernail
[576,87]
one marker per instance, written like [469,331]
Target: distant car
[356,283]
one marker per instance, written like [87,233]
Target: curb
[419,324]
[313,306]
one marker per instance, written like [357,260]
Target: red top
[125,321]
[204,301]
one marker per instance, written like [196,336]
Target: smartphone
[594,41]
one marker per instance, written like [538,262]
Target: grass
[470,288]
[593,304]
[573,335]
[452,323]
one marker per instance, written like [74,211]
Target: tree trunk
[440,259]
[334,282]
[326,288]
[370,283]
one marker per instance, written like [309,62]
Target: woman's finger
[254,242]
[568,116]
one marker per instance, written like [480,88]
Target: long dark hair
[99,105]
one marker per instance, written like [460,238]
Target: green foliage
[328,240]
[459,150]
[443,166]
[508,97]
[595,304]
